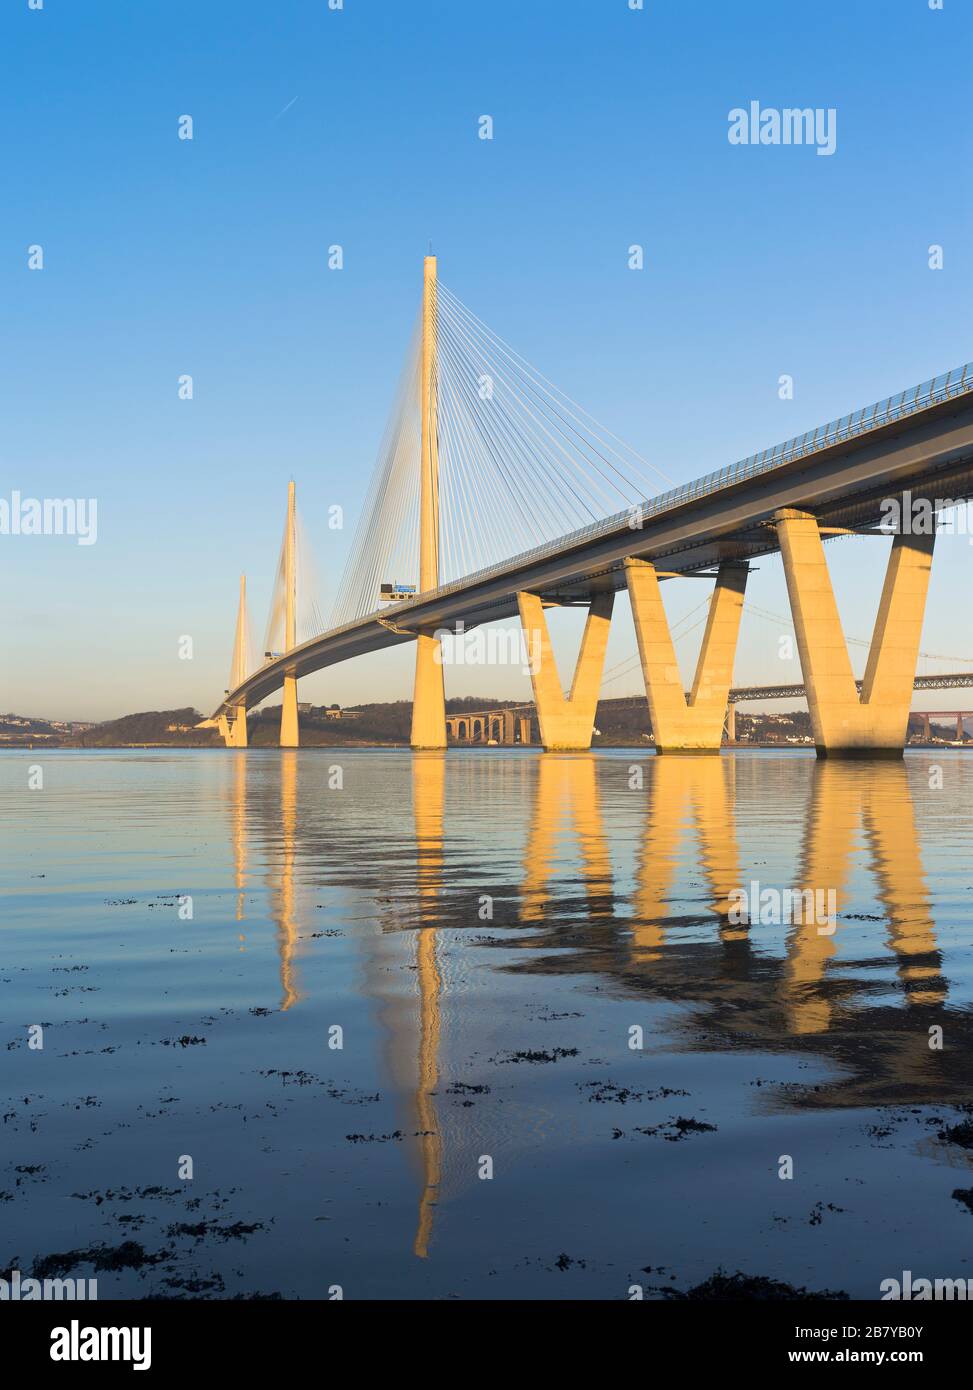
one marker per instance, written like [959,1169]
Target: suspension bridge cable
[575,410]
[519,465]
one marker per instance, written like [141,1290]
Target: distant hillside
[620,723]
[20,725]
[168,726]
[388,723]
[19,729]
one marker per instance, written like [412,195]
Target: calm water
[486,930]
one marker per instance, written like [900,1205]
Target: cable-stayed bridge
[494,494]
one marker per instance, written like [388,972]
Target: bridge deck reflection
[602,891]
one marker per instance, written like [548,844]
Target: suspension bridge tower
[429,694]
[233,724]
[289,734]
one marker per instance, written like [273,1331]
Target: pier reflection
[601,876]
[778,986]
[685,794]
[238,832]
[274,804]
[566,794]
[283,893]
[428,797]
[869,813]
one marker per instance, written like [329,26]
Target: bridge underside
[842,488]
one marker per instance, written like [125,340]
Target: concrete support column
[429,693]
[927,728]
[233,727]
[290,736]
[525,730]
[289,732]
[566,723]
[696,725]
[845,725]
[731,723]
[233,724]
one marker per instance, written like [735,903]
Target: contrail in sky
[286,108]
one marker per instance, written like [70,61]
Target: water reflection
[282,896]
[696,792]
[632,883]
[845,804]
[610,881]
[238,830]
[566,793]
[784,986]
[428,795]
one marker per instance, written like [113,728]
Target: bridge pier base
[566,724]
[233,727]
[845,725]
[429,695]
[290,736]
[680,725]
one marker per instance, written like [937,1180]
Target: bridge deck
[921,439]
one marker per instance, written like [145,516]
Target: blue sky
[359,127]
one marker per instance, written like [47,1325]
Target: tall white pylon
[428,699]
[238,667]
[233,725]
[289,733]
